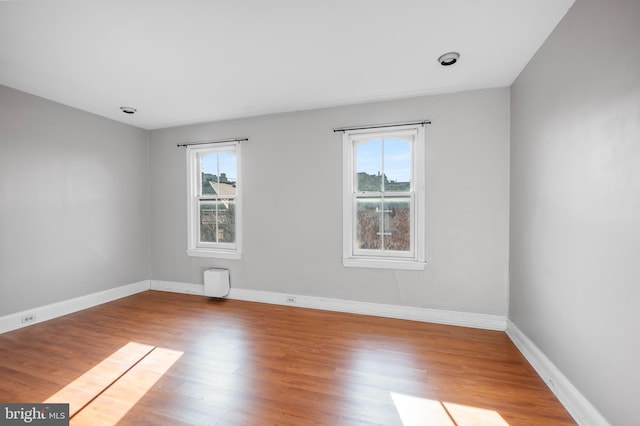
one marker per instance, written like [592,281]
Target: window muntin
[383,196]
[214,200]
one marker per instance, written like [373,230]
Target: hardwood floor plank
[252,363]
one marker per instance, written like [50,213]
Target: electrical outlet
[291,299]
[28,318]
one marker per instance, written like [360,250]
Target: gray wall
[292,177]
[575,203]
[73,203]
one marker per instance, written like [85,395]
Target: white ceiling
[188,61]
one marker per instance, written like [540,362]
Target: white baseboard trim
[576,404]
[54,310]
[464,319]
[176,287]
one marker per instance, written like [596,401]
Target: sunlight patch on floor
[86,387]
[106,393]
[415,411]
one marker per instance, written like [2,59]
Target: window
[383,199]
[214,200]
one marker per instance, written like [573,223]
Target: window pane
[397,165]
[369,166]
[368,234]
[218,221]
[397,224]
[228,173]
[227,221]
[209,172]
[208,221]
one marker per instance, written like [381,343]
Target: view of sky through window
[220,162]
[397,158]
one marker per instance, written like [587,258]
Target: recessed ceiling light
[449,59]
[128,110]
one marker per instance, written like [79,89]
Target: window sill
[410,265]
[213,253]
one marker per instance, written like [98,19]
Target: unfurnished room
[419,212]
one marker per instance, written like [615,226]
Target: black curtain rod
[216,141]
[378,126]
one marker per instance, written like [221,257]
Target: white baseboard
[176,287]
[464,319]
[576,404]
[54,310]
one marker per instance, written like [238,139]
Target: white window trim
[349,257]
[214,250]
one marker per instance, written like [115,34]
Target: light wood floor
[236,363]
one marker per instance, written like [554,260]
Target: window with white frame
[214,205]
[384,197]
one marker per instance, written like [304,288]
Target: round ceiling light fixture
[128,110]
[449,59]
